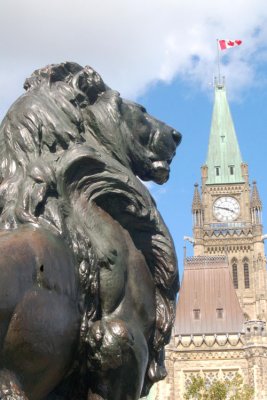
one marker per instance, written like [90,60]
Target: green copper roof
[224,157]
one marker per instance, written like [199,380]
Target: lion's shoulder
[47,254]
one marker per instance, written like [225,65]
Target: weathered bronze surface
[88,274]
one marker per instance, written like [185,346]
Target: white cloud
[132,43]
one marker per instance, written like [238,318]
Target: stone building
[220,327]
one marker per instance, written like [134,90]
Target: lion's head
[70,133]
[139,141]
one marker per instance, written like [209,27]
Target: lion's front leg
[117,343]
[9,387]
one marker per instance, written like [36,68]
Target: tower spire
[224,158]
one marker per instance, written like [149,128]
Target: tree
[218,390]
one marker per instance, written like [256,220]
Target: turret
[198,220]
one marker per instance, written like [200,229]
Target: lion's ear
[90,83]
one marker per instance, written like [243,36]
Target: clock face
[226,209]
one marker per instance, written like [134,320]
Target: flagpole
[219,62]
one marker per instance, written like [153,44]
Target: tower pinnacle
[255,197]
[196,204]
[255,205]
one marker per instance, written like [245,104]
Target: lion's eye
[143,109]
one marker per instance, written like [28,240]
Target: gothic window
[196,313]
[235,273]
[210,377]
[217,171]
[246,274]
[229,375]
[219,312]
[188,377]
[231,169]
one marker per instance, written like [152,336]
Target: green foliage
[218,390]
[196,389]
[239,390]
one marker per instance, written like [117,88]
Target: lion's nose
[177,137]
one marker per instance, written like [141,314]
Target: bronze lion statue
[88,272]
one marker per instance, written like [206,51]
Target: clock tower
[227,213]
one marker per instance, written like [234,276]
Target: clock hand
[225,208]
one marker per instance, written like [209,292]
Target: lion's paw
[108,343]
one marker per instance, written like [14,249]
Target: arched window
[246,273]
[235,273]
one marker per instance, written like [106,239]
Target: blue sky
[161,53]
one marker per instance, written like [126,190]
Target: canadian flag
[226,44]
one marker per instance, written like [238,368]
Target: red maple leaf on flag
[226,44]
